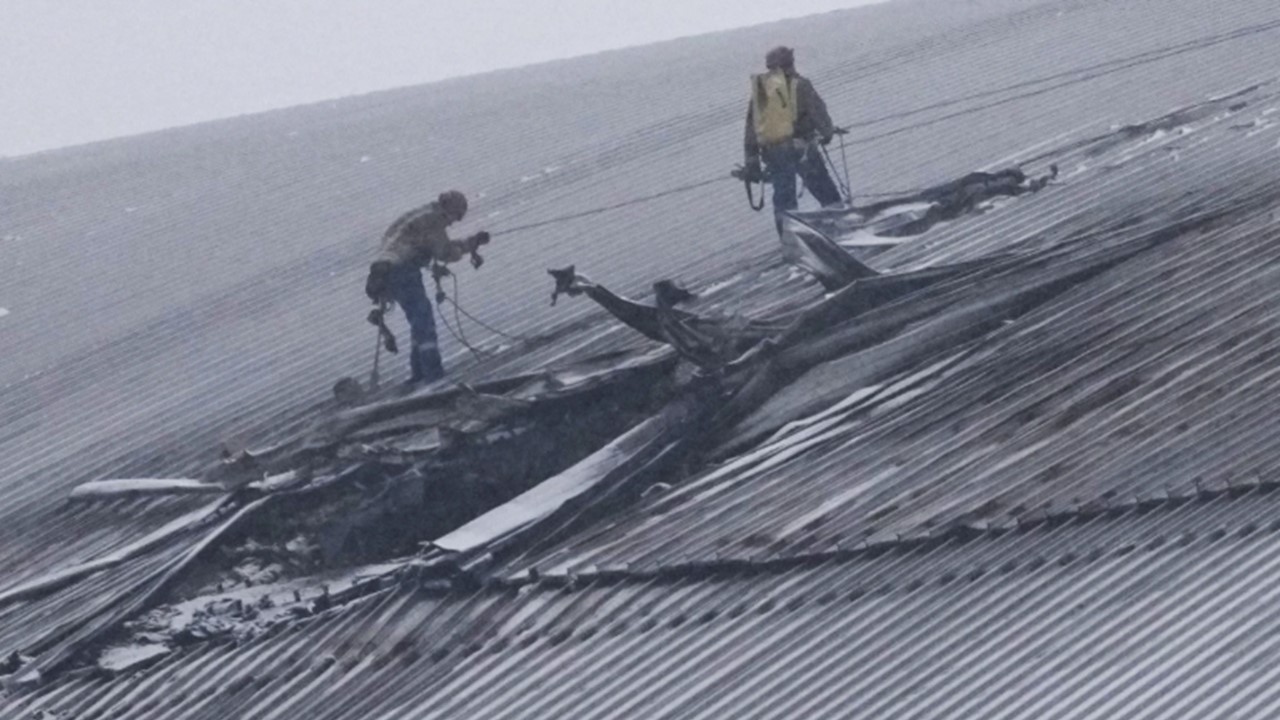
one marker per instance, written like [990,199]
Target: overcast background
[74,71]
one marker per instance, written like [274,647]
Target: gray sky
[74,71]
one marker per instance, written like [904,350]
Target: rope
[459,334]
[844,160]
[480,354]
[1130,62]
[374,378]
[1123,63]
[614,206]
[457,308]
[486,326]
[842,182]
[462,334]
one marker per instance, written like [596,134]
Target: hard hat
[781,57]
[454,203]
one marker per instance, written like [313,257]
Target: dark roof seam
[695,570]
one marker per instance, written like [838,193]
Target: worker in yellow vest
[785,118]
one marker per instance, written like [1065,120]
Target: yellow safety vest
[773,107]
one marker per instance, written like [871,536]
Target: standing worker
[785,117]
[415,240]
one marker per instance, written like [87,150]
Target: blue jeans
[784,161]
[405,286]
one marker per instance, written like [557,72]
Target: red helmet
[454,203]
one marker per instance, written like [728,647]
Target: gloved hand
[753,171]
[476,260]
[377,285]
[826,139]
[480,238]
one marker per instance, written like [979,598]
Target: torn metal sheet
[980,304]
[144,486]
[161,536]
[707,342]
[820,242]
[371,497]
[1138,376]
[587,481]
[464,409]
[145,578]
[751,387]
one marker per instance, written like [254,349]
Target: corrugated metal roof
[269,221]
[56,618]
[1155,609]
[221,264]
[677,571]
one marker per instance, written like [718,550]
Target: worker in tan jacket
[785,117]
[415,240]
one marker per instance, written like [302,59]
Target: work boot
[409,387]
[420,381]
[433,368]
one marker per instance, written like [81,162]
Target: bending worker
[415,240]
[784,118]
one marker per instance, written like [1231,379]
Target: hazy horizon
[116,68]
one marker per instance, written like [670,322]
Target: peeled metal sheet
[596,475]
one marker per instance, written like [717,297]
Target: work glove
[475,241]
[752,170]
[377,284]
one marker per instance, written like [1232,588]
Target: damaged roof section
[1000,398]
[357,487]
[1056,618]
[947,389]
[1156,374]
[901,498]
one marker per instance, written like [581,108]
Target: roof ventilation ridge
[1108,505]
[717,567]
